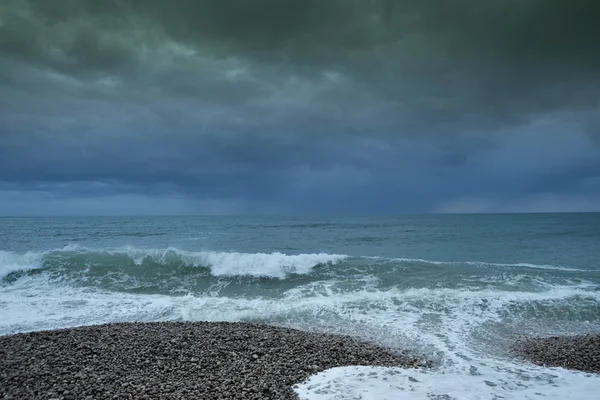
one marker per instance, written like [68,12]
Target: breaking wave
[270,265]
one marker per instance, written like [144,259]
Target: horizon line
[308,215]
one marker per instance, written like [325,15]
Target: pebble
[573,352]
[229,360]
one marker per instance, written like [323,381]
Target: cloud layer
[299,106]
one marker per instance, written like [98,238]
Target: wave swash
[463,315]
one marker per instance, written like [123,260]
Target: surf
[226,264]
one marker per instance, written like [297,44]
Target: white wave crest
[12,262]
[274,265]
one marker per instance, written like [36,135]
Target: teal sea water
[458,288]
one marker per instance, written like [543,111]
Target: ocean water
[457,288]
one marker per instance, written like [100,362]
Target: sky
[299,106]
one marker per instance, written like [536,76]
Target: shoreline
[579,352]
[178,360]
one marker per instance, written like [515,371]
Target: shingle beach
[176,360]
[572,352]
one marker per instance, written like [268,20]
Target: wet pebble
[573,352]
[176,360]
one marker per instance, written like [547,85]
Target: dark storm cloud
[445,58]
[308,103]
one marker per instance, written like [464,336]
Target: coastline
[177,360]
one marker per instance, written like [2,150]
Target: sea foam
[378,383]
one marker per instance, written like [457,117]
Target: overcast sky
[299,106]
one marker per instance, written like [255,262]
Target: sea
[458,289]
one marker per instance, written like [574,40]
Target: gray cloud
[396,105]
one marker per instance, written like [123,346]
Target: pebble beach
[177,361]
[580,353]
[443,288]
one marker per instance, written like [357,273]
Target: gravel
[177,360]
[573,352]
